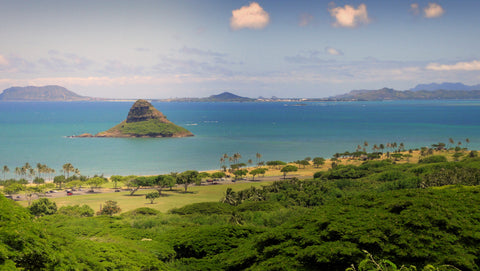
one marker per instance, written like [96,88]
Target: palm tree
[67,168]
[451,141]
[31,172]
[18,171]
[40,169]
[222,161]
[258,156]
[5,170]
[381,147]
[237,157]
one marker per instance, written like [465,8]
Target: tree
[303,163]
[257,171]
[230,197]
[187,177]
[95,182]
[381,146]
[288,168]
[13,188]
[152,196]
[275,163]
[5,170]
[43,207]
[163,181]
[38,180]
[451,141]
[138,182]
[440,146]
[73,184]
[109,208]
[116,179]
[32,191]
[218,175]
[258,156]
[318,161]
[67,168]
[239,173]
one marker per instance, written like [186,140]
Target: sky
[189,48]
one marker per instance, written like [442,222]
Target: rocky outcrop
[143,120]
[142,110]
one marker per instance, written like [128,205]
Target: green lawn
[171,199]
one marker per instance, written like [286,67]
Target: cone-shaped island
[144,120]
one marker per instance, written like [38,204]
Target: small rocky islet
[143,120]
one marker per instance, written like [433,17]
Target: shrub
[109,208]
[76,210]
[43,207]
[204,208]
[433,159]
[144,211]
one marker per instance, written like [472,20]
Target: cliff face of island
[144,120]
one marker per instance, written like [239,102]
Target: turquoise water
[38,132]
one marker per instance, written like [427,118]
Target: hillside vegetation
[421,214]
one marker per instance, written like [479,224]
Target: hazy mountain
[391,94]
[228,97]
[445,86]
[46,93]
[222,97]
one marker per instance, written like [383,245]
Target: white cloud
[415,9]
[433,10]
[459,66]
[252,16]
[350,17]
[305,19]
[334,52]
[4,61]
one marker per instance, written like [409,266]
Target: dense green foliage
[43,207]
[152,127]
[402,214]
[76,210]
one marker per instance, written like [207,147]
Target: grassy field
[169,200]
[203,193]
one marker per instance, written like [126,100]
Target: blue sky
[162,49]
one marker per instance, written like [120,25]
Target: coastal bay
[38,132]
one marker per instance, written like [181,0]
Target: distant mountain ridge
[445,86]
[222,97]
[391,94]
[45,93]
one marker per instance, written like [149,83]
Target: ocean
[37,132]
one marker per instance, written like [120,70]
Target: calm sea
[38,132]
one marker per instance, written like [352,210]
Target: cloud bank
[252,16]
[459,66]
[350,17]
